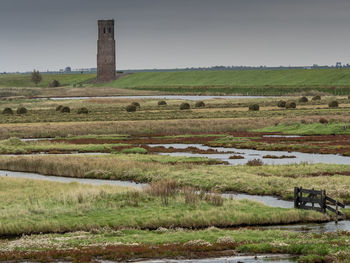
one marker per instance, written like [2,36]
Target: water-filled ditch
[249,154]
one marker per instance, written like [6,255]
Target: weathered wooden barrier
[311,199]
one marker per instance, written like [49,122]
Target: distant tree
[36,77]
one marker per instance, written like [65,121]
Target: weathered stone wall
[106,64]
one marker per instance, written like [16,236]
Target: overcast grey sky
[52,34]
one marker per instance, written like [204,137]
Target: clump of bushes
[55,83]
[291,105]
[255,162]
[83,110]
[281,104]
[333,104]
[7,111]
[185,106]
[21,110]
[303,100]
[254,107]
[59,108]
[131,108]
[136,104]
[65,109]
[317,97]
[199,104]
[323,121]
[162,103]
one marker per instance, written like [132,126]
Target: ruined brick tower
[106,51]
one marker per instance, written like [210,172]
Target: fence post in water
[336,213]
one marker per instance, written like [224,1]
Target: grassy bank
[24,80]
[170,243]
[249,82]
[34,206]
[277,180]
[309,129]
[262,82]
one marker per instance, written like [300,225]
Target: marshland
[187,202]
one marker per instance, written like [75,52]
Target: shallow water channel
[165,97]
[249,154]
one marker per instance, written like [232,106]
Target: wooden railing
[311,199]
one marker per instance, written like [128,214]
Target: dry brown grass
[164,189]
[148,127]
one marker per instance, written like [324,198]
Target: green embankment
[24,80]
[273,82]
[248,82]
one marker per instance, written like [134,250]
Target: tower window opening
[104,30]
[109,30]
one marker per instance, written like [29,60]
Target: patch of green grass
[34,206]
[309,129]
[98,137]
[24,80]
[16,146]
[250,82]
[138,150]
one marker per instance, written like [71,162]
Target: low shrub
[164,189]
[303,100]
[59,107]
[323,121]
[254,107]
[7,111]
[226,240]
[83,110]
[291,105]
[185,106]
[130,108]
[255,162]
[333,104]
[199,104]
[22,110]
[162,103]
[317,97]
[281,104]
[136,104]
[65,109]
[55,83]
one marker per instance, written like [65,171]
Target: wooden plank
[334,211]
[310,200]
[334,202]
[310,191]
